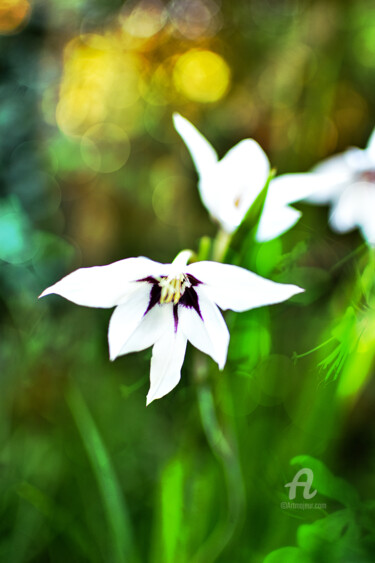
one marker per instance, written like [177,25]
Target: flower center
[173,288]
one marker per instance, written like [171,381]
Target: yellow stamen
[177,294]
[172,288]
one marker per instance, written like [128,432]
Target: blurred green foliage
[91,171]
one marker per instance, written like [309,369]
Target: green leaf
[250,223]
[336,536]
[326,483]
[109,487]
[288,555]
[172,509]
[60,520]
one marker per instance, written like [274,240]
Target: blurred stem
[296,356]
[222,444]
[221,245]
[205,248]
[348,257]
[112,498]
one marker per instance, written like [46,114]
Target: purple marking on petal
[190,300]
[148,279]
[154,297]
[367,176]
[175,317]
[193,280]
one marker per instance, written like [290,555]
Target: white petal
[358,160]
[229,187]
[365,212]
[105,286]
[338,165]
[203,154]
[149,330]
[290,188]
[209,333]
[232,287]
[126,318]
[242,173]
[247,165]
[368,231]
[355,208]
[235,183]
[168,356]
[205,160]
[370,149]
[181,260]
[345,213]
[341,170]
[275,221]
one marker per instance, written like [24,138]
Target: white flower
[350,190]
[229,187]
[165,305]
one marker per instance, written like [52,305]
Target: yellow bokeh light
[88,74]
[97,77]
[126,90]
[202,76]
[13,13]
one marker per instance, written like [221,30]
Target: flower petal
[168,356]
[290,188]
[367,228]
[227,188]
[149,330]
[365,211]
[232,287]
[239,178]
[127,317]
[180,261]
[353,207]
[105,286]
[205,160]
[202,152]
[275,221]
[247,165]
[340,170]
[210,333]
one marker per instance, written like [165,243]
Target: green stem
[298,356]
[221,245]
[221,442]
[348,257]
[223,448]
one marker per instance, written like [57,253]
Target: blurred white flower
[165,305]
[228,187]
[350,190]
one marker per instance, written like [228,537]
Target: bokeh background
[92,171]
